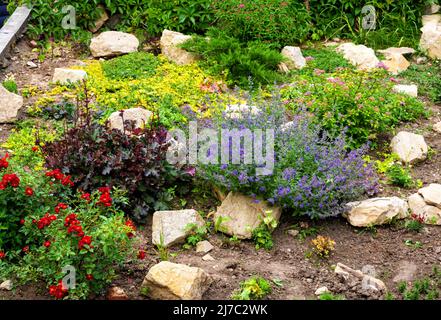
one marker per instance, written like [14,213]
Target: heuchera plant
[133,159]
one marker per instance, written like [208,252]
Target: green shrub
[23,193]
[255,288]
[240,62]
[400,176]
[262,234]
[148,16]
[10,85]
[428,79]
[397,22]
[360,102]
[137,65]
[324,59]
[276,22]
[89,236]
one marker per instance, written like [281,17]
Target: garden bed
[295,273]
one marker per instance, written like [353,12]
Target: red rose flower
[22,221]
[86,196]
[29,192]
[2,255]
[25,249]
[47,244]
[3,162]
[89,277]
[141,254]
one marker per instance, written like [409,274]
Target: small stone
[396,63]
[438,250]
[293,232]
[204,247]
[430,41]
[409,147]
[139,115]
[170,42]
[393,51]
[171,281]
[10,104]
[421,60]
[31,65]
[321,291]
[294,56]
[101,20]
[66,76]
[116,293]
[309,280]
[33,44]
[437,127]
[432,194]
[6,285]
[242,214]
[362,57]
[208,257]
[113,43]
[410,90]
[375,211]
[171,227]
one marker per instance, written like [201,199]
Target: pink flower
[381,65]
[393,79]
[191,171]
[309,58]
[241,6]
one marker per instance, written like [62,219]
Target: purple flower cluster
[313,174]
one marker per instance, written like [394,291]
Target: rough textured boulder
[204,247]
[396,63]
[66,76]
[295,59]
[101,20]
[362,57]
[172,226]
[170,41]
[10,103]
[411,90]
[6,285]
[432,194]
[431,36]
[171,281]
[409,147]
[433,8]
[375,211]
[113,43]
[241,215]
[139,115]
[419,207]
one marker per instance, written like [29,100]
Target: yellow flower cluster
[184,85]
[323,246]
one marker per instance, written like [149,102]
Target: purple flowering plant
[314,174]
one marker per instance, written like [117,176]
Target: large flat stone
[171,281]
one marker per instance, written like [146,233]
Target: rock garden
[217,150]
